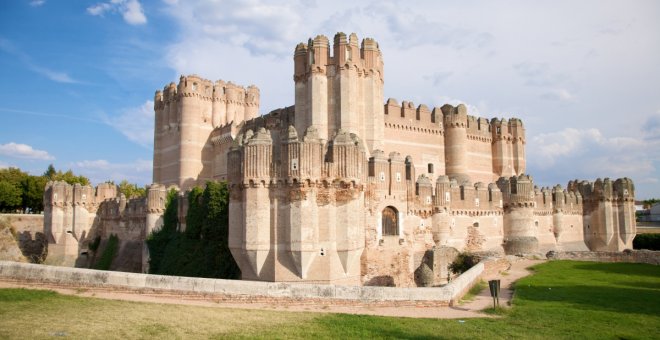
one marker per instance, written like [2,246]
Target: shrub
[647,241]
[202,249]
[463,262]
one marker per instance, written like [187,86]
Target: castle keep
[346,187]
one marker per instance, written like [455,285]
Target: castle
[344,187]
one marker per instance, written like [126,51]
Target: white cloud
[37,3]
[101,170]
[550,76]
[131,10]
[558,94]
[588,154]
[24,151]
[56,76]
[136,123]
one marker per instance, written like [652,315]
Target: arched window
[390,221]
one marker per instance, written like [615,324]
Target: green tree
[10,196]
[650,202]
[158,240]
[202,249]
[131,190]
[33,193]
[50,172]
[195,214]
[70,178]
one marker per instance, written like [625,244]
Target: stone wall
[30,237]
[244,290]
[629,256]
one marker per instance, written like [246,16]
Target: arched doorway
[390,221]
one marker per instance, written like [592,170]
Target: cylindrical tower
[455,123]
[520,229]
[251,102]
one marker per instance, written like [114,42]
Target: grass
[473,292]
[562,300]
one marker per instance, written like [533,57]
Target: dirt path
[468,310]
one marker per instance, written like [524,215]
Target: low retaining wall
[243,290]
[631,256]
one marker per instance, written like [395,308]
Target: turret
[520,229]
[455,124]
[342,91]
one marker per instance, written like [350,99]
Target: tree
[10,196]
[50,172]
[10,189]
[70,178]
[202,249]
[131,190]
[33,193]
[647,204]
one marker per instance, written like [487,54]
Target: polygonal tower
[343,90]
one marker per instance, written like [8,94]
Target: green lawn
[563,299]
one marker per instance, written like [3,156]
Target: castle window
[398,177]
[430,166]
[348,53]
[428,199]
[382,176]
[390,221]
[476,202]
[194,87]
[447,196]
[294,164]
[408,171]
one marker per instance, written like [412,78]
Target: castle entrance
[390,221]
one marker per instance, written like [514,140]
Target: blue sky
[79,76]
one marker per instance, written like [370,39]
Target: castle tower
[250,214]
[185,116]
[455,123]
[442,200]
[520,230]
[340,91]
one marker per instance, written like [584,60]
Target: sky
[584,76]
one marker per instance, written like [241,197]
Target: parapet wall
[628,256]
[245,290]
[74,215]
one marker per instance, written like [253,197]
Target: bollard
[494,286]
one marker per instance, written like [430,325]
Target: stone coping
[239,289]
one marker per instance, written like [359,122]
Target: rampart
[251,291]
[31,239]
[627,256]
[75,215]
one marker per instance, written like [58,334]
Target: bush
[202,249]
[647,241]
[462,263]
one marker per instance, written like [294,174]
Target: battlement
[226,102]
[346,54]
[622,189]
[511,130]
[408,117]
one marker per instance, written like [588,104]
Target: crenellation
[344,187]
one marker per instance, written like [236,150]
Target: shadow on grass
[598,298]
[633,269]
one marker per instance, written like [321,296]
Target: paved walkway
[467,310]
